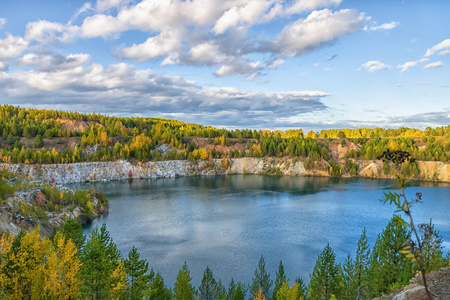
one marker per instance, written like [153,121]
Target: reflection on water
[228,222]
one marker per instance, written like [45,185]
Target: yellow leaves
[404,251]
[119,281]
[140,142]
[203,153]
[34,267]
[288,293]
[259,296]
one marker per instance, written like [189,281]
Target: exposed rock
[438,283]
[121,169]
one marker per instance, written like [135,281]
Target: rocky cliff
[119,170]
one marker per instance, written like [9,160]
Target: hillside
[31,136]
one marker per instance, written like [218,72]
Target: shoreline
[121,170]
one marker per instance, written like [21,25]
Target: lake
[228,222]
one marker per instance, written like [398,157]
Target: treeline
[26,136]
[73,267]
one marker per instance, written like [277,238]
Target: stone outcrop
[438,284]
[120,170]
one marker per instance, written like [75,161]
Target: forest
[72,266]
[34,136]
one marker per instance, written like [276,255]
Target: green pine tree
[99,258]
[158,290]
[138,276]
[389,269]
[183,289]
[362,261]
[208,288]
[236,291]
[261,280]
[280,279]
[72,229]
[324,279]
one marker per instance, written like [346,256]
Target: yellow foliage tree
[61,271]
[259,295]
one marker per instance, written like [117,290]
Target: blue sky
[260,64]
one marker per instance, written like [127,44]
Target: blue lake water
[228,222]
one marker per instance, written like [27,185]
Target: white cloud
[374,66]
[2,22]
[309,5]
[404,67]
[162,44]
[247,14]
[240,69]
[319,28]
[12,46]
[46,32]
[53,63]
[385,26]
[103,5]
[121,87]
[443,47]
[3,66]
[86,7]
[433,65]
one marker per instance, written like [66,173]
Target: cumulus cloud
[385,26]
[247,14]
[319,28]
[12,46]
[53,63]
[159,45]
[433,65]
[122,88]
[46,32]
[443,48]
[404,67]
[374,66]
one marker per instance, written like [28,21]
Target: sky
[259,64]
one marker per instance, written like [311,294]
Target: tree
[236,291]
[413,249]
[72,229]
[208,288]
[262,280]
[361,266]
[280,280]
[324,279]
[183,289]
[158,290]
[389,269]
[138,276]
[61,270]
[38,142]
[101,270]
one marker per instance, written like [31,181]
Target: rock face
[438,284]
[119,170]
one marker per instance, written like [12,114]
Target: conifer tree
[138,276]
[208,287]
[389,269]
[280,279]
[72,229]
[362,261]
[236,291]
[183,289]
[262,280]
[100,259]
[158,290]
[324,279]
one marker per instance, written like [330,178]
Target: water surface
[228,222]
